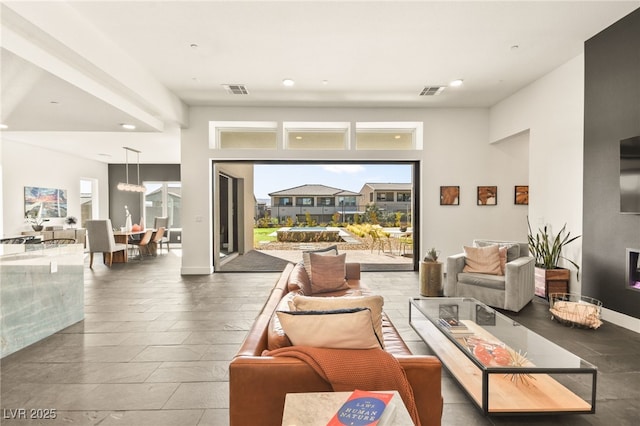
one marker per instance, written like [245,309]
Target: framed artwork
[449,195]
[487,195]
[45,202]
[521,195]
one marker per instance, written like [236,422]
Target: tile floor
[154,349]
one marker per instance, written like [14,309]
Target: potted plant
[71,221]
[546,248]
[36,221]
[431,274]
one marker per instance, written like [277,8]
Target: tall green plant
[547,248]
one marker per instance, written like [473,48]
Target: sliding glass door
[163,199]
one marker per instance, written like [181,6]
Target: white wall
[28,165]
[456,152]
[552,110]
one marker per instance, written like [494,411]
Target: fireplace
[632,274]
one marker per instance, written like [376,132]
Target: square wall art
[487,195]
[449,195]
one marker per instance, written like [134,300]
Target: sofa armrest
[424,373]
[519,283]
[262,384]
[455,265]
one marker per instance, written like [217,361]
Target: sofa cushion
[513,249]
[299,280]
[482,260]
[502,251]
[374,303]
[482,280]
[327,273]
[335,329]
[306,255]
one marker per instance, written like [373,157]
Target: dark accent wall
[612,113]
[119,199]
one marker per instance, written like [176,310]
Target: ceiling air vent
[236,89]
[431,90]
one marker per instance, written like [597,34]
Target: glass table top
[493,339]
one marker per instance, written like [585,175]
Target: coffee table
[504,367]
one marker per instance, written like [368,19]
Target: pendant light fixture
[130,186]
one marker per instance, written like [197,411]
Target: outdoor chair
[379,239]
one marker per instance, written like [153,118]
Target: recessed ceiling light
[54,102]
[288,82]
[397,137]
[3,126]
[128,126]
[299,137]
[102,154]
[193,45]
[456,83]
[325,82]
[515,47]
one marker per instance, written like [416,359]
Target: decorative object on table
[36,221]
[521,195]
[519,360]
[122,186]
[431,274]
[487,195]
[575,310]
[448,311]
[485,316]
[127,219]
[497,354]
[546,248]
[71,221]
[449,195]
[45,202]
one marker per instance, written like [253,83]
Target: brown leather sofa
[258,384]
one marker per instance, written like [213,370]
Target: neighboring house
[389,197]
[320,201]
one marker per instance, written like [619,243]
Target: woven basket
[575,310]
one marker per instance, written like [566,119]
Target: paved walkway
[361,256]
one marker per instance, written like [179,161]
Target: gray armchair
[511,291]
[101,240]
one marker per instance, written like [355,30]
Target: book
[452,324]
[364,408]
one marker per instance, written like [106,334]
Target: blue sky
[272,178]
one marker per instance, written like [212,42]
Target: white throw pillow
[336,329]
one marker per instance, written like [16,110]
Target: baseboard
[196,270]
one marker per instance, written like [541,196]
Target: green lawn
[262,234]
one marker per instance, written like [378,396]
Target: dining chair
[157,240]
[143,243]
[163,222]
[101,240]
